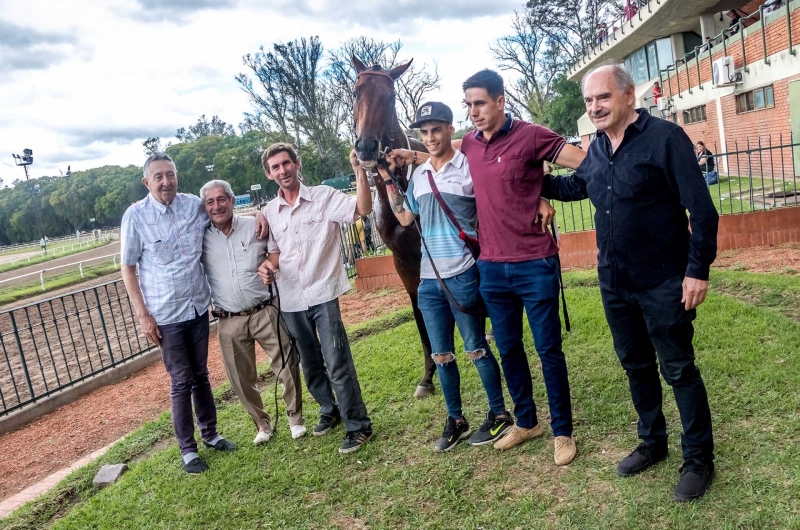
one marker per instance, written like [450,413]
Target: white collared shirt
[307,236]
[231,265]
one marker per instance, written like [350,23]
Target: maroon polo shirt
[507,176]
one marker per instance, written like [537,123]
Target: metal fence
[53,344]
[753,175]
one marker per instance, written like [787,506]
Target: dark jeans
[653,324]
[184,349]
[507,289]
[328,363]
[440,320]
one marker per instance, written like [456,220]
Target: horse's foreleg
[425,385]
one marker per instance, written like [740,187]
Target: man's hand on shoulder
[694,292]
[262,225]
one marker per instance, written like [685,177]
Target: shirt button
[611,163]
[609,187]
[608,212]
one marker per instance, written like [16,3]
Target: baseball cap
[432,111]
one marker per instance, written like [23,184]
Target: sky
[83,83]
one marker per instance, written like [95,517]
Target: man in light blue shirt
[163,235]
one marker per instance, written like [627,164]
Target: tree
[152,146]
[562,113]
[203,127]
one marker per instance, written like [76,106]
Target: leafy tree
[203,127]
[152,146]
[562,113]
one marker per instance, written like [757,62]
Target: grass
[17,292]
[746,354]
[41,259]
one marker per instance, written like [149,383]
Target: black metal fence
[751,175]
[53,344]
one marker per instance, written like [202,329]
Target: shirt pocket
[163,253]
[512,167]
[633,174]
[249,254]
[312,226]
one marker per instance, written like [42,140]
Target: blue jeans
[507,289]
[440,317]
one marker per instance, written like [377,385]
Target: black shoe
[492,429]
[221,445]
[641,458]
[353,440]
[326,423]
[195,466]
[453,432]
[694,481]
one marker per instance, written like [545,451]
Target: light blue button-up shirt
[166,242]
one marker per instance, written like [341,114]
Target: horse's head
[373,108]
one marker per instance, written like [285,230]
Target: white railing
[86,237]
[78,263]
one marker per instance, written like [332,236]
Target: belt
[221,313]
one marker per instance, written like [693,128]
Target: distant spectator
[705,160]
[43,244]
[705,47]
[772,5]
[734,25]
[656,93]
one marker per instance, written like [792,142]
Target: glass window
[758,96]
[769,96]
[652,61]
[639,67]
[664,52]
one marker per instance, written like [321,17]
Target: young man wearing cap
[518,263]
[448,171]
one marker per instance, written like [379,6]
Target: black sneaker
[644,456]
[195,466]
[353,440]
[453,432]
[694,481]
[221,445]
[492,429]
[326,423]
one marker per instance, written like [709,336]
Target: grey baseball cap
[432,111]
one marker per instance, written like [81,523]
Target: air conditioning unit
[665,107]
[724,72]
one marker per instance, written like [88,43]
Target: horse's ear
[397,71]
[358,64]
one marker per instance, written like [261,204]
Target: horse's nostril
[375,145]
[358,144]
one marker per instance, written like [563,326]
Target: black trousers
[653,324]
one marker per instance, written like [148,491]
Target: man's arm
[685,176]
[564,189]
[146,321]
[363,191]
[570,157]
[269,264]
[396,199]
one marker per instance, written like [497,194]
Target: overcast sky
[84,83]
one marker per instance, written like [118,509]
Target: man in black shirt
[642,175]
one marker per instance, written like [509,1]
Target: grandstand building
[734,86]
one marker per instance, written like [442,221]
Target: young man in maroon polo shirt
[518,263]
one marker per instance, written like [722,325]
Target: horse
[377,127]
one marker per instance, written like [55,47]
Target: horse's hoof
[423,391]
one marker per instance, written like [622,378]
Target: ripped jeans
[440,320]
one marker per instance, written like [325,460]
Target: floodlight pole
[26,160]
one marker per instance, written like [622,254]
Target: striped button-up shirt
[307,236]
[166,243]
[231,264]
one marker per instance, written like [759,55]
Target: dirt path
[105,250]
[54,441]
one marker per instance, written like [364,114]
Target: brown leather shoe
[566,451]
[517,435]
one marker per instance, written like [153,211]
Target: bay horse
[377,127]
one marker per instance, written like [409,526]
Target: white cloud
[96,78]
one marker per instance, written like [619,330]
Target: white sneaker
[262,437]
[298,431]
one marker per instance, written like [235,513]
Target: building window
[760,98]
[694,115]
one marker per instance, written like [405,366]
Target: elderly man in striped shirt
[163,235]
[304,222]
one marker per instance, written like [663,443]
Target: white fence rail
[84,239]
[78,263]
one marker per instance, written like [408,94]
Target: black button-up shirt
[641,193]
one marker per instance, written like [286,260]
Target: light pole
[26,160]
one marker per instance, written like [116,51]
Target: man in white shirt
[304,222]
[247,311]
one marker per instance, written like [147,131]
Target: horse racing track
[55,343]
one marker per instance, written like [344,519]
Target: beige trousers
[237,337]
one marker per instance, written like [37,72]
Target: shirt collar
[638,124]
[305,194]
[234,224]
[505,128]
[456,161]
[160,207]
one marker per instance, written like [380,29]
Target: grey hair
[155,157]
[216,184]
[621,76]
